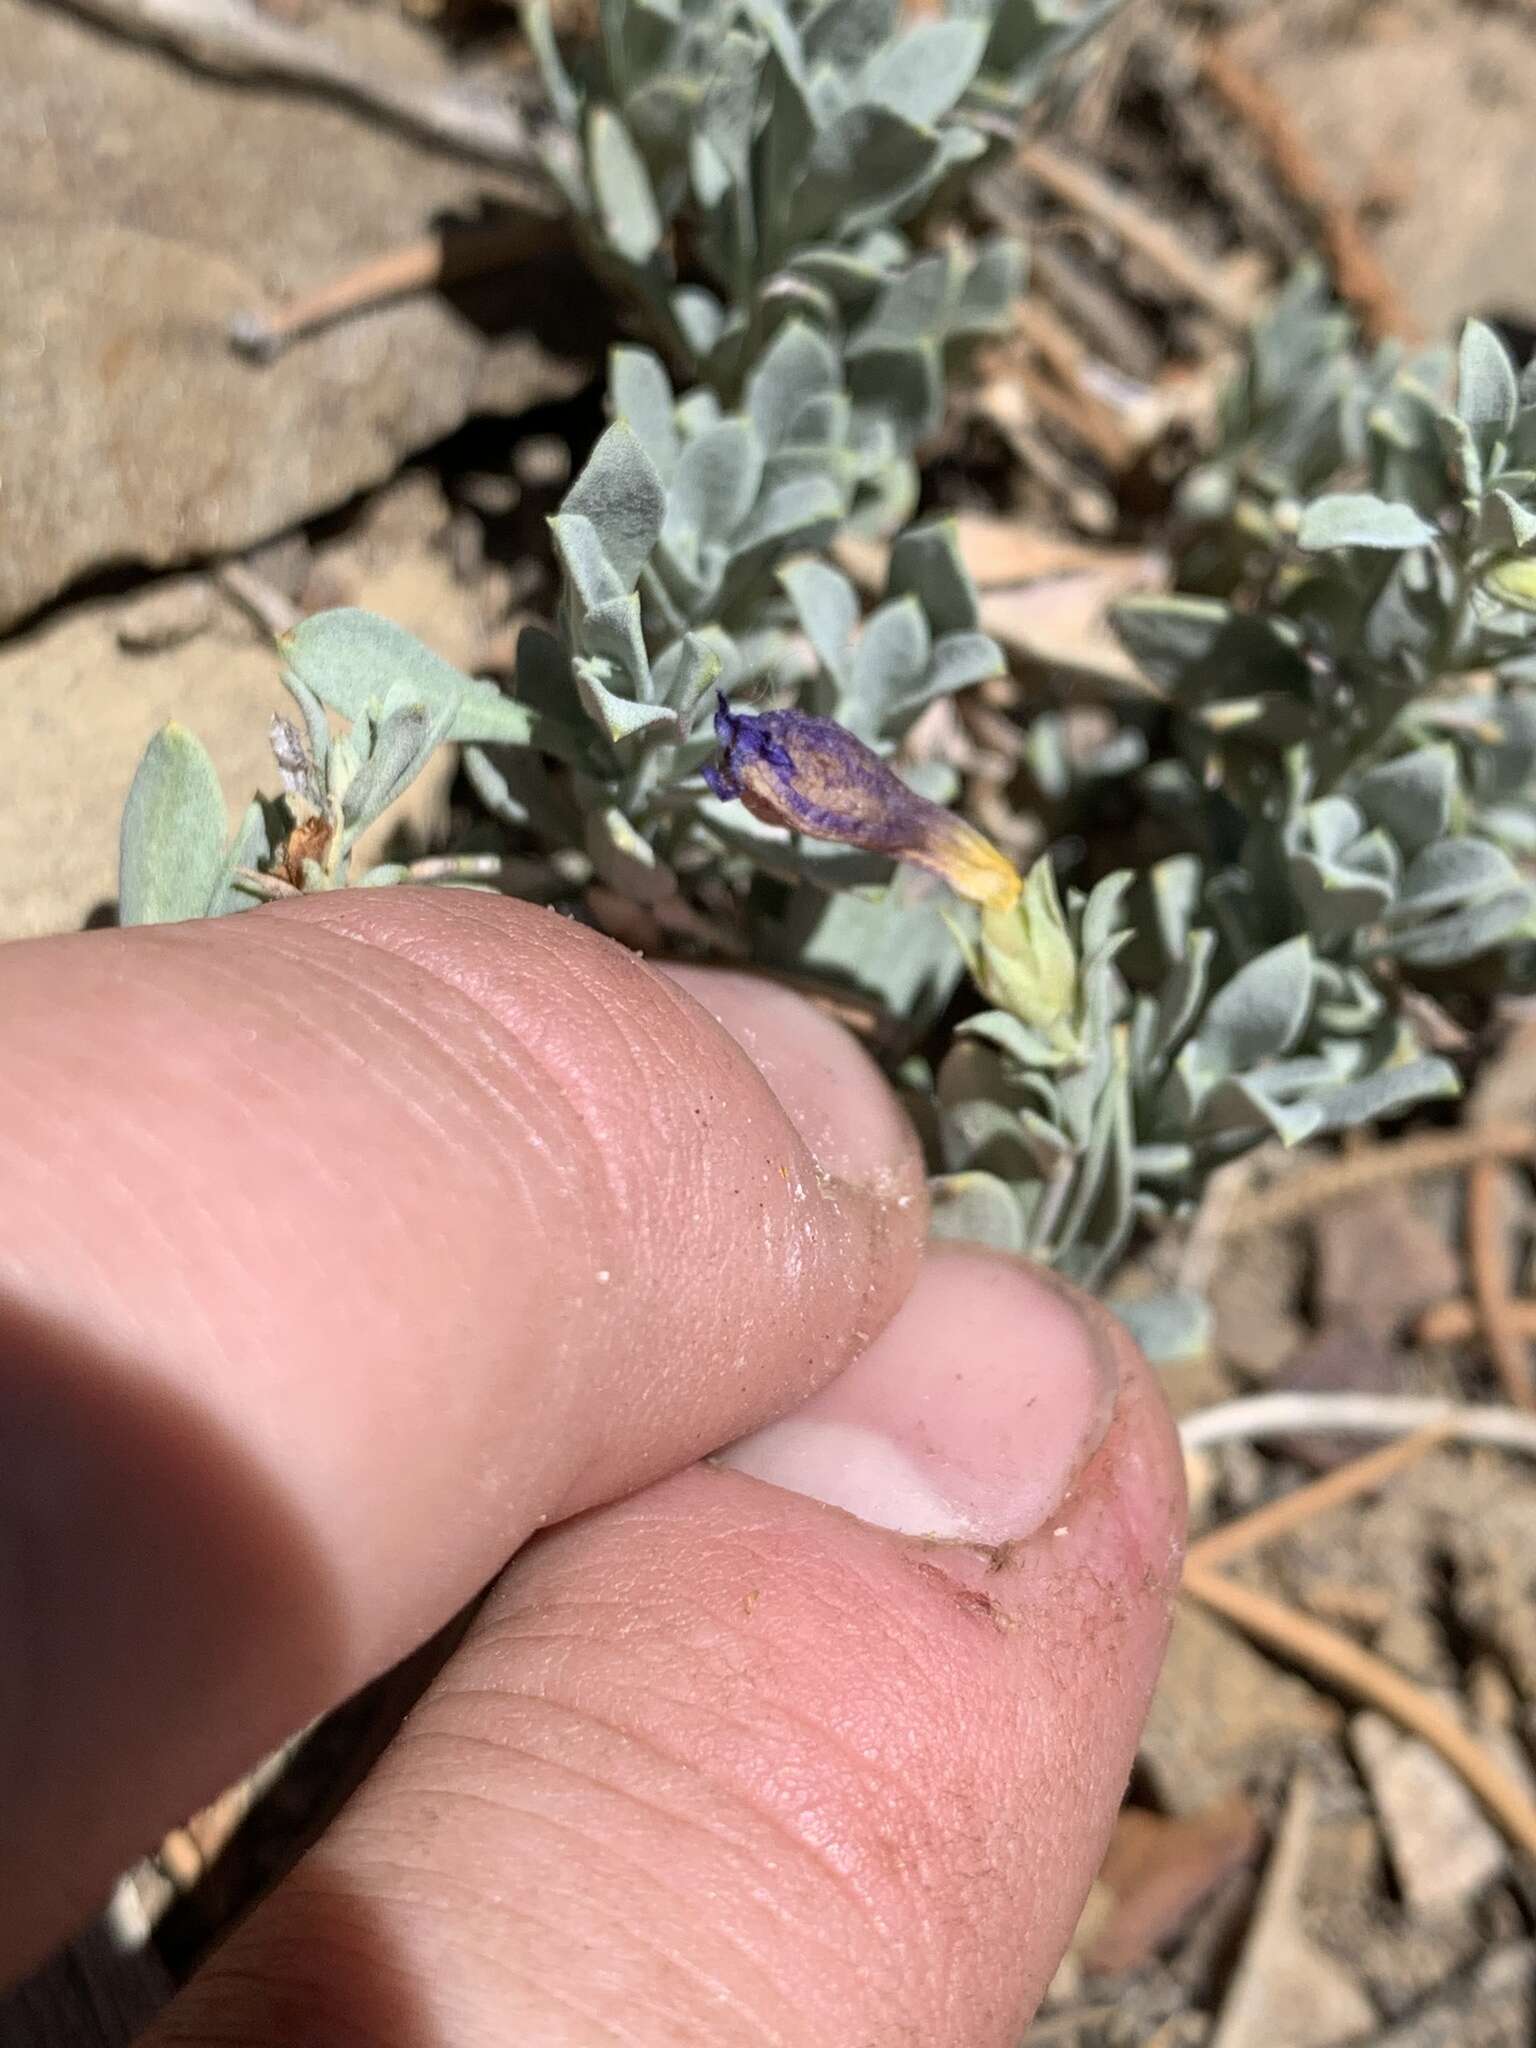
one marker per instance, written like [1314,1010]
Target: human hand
[346,1244]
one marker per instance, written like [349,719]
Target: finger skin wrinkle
[683,1823]
[622,1907]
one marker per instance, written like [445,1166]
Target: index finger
[341,1245]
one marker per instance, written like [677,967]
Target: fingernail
[826,1084]
[968,1419]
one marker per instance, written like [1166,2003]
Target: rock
[1493,2006]
[146,205]
[1443,1851]
[1224,1719]
[1343,1359]
[76,709]
[1380,1262]
[1444,95]
[1255,1291]
[1157,1872]
[1493,1578]
[1309,2000]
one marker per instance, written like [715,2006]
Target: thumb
[725,1763]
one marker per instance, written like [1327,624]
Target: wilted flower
[813,776]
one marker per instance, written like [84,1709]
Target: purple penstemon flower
[813,776]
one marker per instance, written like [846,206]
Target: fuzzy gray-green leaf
[171,846]
[1356,519]
[626,201]
[621,495]
[1487,393]
[640,393]
[827,608]
[926,563]
[922,73]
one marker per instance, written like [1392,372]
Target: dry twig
[1342,1663]
[1153,240]
[1392,1159]
[413,267]
[1455,1319]
[1246,2015]
[1279,1517]
[1488,1265]
[1269,1415]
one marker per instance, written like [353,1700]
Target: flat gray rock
[142,206]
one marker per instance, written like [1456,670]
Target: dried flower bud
[813,776]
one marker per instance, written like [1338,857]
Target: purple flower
[813,776]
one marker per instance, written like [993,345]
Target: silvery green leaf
[612,633]
[889,661]
[1175,902]
[856,161]
[1462,934]
[350,659]
[317,727]
[1464,456]
[800,366]
[621,184]
[827,608]
[251,847]
[1011,1036]
[729,111]
[592,577]
[1103,1187]
[1411,796]
[1180,997]
[625,859]
[992,286]
[1356,519]
[686,673]
[709,175]
[799,512]
[914,306]
[171,844]
[640,393]
[1260,1012]
[845,33]
[700,318]
[1388,1093]
[1504,522]
[903,385]
[716,483]
[1451,872]
[517,788]
[926,563]
[1332,825]
[976,1208]
[897,949]
[1244,1104]
[957,145]
[957,662]
[619,718]
[1175,1327]
[1487,395]
[621,495]
[558,89]
[405,739]
[922,73]
[388,875]
[1029,38]
[850,281]
[1336,899]
[1194,643]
